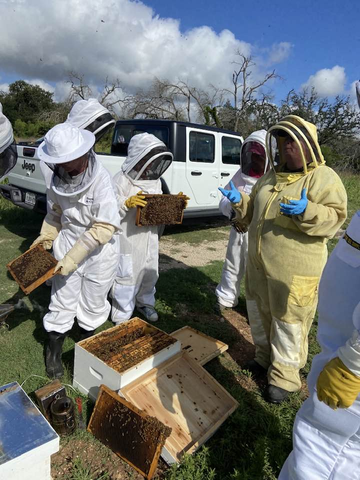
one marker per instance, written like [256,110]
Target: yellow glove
[186,198]
[136,200]
[337,386]
[48,233]
[72,259]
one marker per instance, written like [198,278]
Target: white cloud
[44,85]
[122,40]
[279,52]
[4,87]
[328,82]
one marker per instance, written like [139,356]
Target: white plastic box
[27,440]
[90,371]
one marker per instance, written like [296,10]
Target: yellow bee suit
[287,254]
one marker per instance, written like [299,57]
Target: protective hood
[91,115]
[303,133]
[66,185]
[148,158]
[8,153]
[253,159]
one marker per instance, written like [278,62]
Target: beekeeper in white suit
[253,164]
[326,435]
[80,225]
[88,115]
[8,152]
[148,158]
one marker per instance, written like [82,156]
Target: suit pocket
[125,269]
[303,290]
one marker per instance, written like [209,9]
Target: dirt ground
[76,456]
[184,255]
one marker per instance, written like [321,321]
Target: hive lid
[198,345]
[129,432]
[22,426]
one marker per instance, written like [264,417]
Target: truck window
[231,148]
[124,133]
[202,147]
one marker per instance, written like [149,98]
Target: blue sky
[323,33]
[307,43]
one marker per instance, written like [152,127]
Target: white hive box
[120,355]
[27,440]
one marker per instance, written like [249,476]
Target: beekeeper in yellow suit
[293,210]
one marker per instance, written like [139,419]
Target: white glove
[48,232]
[70,262]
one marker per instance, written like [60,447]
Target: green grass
[251,445]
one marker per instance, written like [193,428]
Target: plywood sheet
[199,346]
[32,268]
[132,434]
[161,209]
[184,396]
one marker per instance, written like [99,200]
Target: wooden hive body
[120,355]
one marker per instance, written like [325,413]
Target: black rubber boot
[275,394]
[255,368]
[85,333]
[54,368]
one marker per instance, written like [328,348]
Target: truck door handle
[225,174]
[196,173]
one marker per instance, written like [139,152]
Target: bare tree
[110,95]
[177,101]
[244,91]
[78,89]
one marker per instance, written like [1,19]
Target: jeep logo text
[28,166]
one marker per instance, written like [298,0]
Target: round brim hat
[64,143]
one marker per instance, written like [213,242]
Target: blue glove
[233,195]
[295,207]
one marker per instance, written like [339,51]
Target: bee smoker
[62,414]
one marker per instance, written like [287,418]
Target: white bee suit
[83,293]
[234,267]
[326,442]
[137,272]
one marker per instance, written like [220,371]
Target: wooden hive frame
[133,435]
[152,202]
[50,272]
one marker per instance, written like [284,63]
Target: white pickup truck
[205,158]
